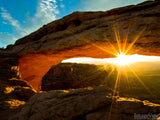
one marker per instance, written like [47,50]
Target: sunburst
[123,60]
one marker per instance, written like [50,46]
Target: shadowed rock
[67,75]
[83,104]
[13,91]
[81,34]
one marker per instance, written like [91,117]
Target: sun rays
[123,50]
[123,61]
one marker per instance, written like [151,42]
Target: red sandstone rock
[81,34]
[89,34]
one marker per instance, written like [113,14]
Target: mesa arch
[88,34]
[34,66]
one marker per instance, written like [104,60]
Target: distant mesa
[66,76]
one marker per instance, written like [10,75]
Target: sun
[123,59]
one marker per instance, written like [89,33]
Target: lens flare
[123,59]
[124,51]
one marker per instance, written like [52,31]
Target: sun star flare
[123,59]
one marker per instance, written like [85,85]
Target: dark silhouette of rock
[67,75]
[14,92]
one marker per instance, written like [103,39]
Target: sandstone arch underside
[89,34]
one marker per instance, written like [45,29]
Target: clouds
[46,11]
[6,16]
[8,19]
[24,21]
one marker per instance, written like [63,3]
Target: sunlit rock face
[81,34]
[41,63]
[72,76]
[89,34]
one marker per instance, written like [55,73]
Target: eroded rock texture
[13,91]
[89,34]
[83,104]
[80,28]
[81,34]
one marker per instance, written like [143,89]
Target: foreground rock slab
[83,104]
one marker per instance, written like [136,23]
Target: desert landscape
[119,78]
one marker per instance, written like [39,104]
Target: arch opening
[34,66]
[131,75]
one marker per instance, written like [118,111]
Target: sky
[123,60]
[19,18]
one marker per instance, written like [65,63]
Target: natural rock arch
[34,66]
[80,34]
[88,34]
